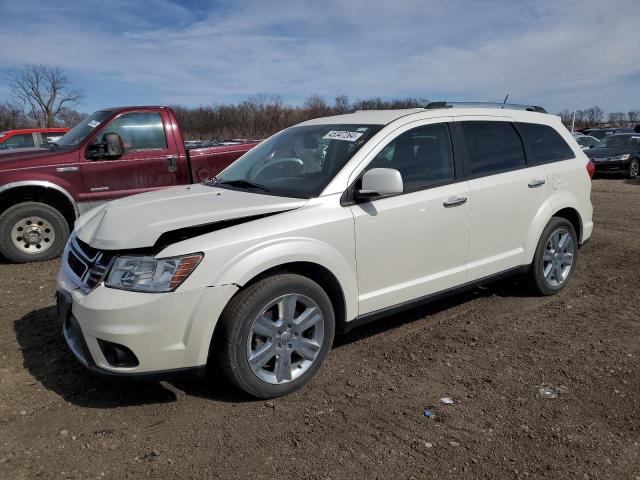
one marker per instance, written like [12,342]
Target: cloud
[561,54]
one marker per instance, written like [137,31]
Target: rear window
[545,143]
[22,140]
[493,147]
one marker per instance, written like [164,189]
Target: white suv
[323,226]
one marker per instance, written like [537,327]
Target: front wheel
[555,257]
[274,335]
[634,168]
[32,232]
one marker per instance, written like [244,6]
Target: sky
[554,53]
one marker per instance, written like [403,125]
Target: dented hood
[139,220]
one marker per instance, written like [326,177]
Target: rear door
[149,161]
[414,244]
[506,194]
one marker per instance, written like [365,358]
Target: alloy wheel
[285,338]
[558,257]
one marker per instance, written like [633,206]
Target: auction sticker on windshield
[342,135]
[93,124]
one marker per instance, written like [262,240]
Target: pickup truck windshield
[297,162]
[77,134]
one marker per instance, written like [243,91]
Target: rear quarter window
[545,143]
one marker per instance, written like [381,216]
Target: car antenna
[505,101]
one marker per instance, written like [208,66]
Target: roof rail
[529,108]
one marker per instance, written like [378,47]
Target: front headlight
[147,274]
[622,157]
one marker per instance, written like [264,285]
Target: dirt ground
[491,350]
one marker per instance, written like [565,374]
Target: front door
[414,244]
[148,162]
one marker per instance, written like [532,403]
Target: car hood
[608,152]
[139,220]
[26,157]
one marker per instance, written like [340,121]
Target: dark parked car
[617,153]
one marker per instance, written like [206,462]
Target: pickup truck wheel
[275,335]
[555,257]
[32,232]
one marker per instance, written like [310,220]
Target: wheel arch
[39,191]
[573,216]
[542,218]
[314,271]
[319,274]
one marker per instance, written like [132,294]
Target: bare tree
[44,90]
[70,118]
[12,116]
[566,116]
[341,104]
[633,116]
[594,115]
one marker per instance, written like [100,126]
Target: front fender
[245,266]
[45,182]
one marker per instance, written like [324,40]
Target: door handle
[173,163]
[537,182]
[454,202]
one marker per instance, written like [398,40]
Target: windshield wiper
[246,184]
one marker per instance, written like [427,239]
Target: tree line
[43,96]
[594,116]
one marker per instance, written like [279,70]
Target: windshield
[620,141]
[299,161]
[77,134]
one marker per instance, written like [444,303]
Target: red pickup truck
[113,153]
[30,137]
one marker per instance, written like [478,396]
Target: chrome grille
[86,263]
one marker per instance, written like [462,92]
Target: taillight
[591,168]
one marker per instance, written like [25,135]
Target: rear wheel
[275,335]
[555,257]
[32,232]
[634,168]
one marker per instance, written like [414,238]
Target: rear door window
[545,143]
[492,146]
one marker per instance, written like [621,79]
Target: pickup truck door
[150,160]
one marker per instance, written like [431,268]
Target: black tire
[230,342]
[22,211]
[634,168]
[537,280]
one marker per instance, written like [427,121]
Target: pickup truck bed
[206,162]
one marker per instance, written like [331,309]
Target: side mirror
[113,145]
[380,182]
